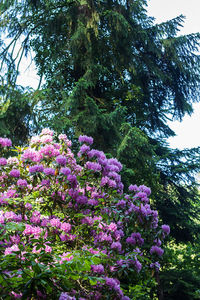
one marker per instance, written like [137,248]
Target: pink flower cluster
[5,142]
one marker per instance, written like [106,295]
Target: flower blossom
[9,250]
[14,173]
[46,131]
[157,250]
[93,166]
[36,168]
[166,229]
[22,182]
[97,268]
[5,142]
[61,160]
[3,161]
[85,139]
[65,171]
[49,171]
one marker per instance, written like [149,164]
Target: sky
[162,10]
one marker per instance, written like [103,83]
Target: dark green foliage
[136,150]
[179,203]
[16,114]
[181,275]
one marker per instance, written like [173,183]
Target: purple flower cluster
[115,285]
[85,139]
[49,171]
[66,227]
[66,296]
[112,227]
[116,245]
[81,199]
[145,189]
[157,250]
[32,230]
[65,171]
[97,268]
[141,188]
[142,196]
[62,137]
[158,242]
[55,222]
[87,220]
[72,180]
[137,265]
[93,166]
[134,239]
[15,173]
[22,182]
[61,160]
[3,161]
[28,206]
[108,167]
[133,188]
[144,213]
[96,153]
[36,168]
[36,217]
[166,229]
[46,139]
[9,250]
[84,149]
[5,142]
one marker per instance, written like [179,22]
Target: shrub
[67,229]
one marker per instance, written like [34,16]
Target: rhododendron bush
[67,229]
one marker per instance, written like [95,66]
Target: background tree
[16,113]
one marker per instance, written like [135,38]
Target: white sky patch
[27,70]
[28,74]
[164,10]
[187,135]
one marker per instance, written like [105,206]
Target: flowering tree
[67,230]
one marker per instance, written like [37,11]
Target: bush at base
[67,230]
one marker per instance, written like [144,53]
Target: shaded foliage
[180,276]
[16,115]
